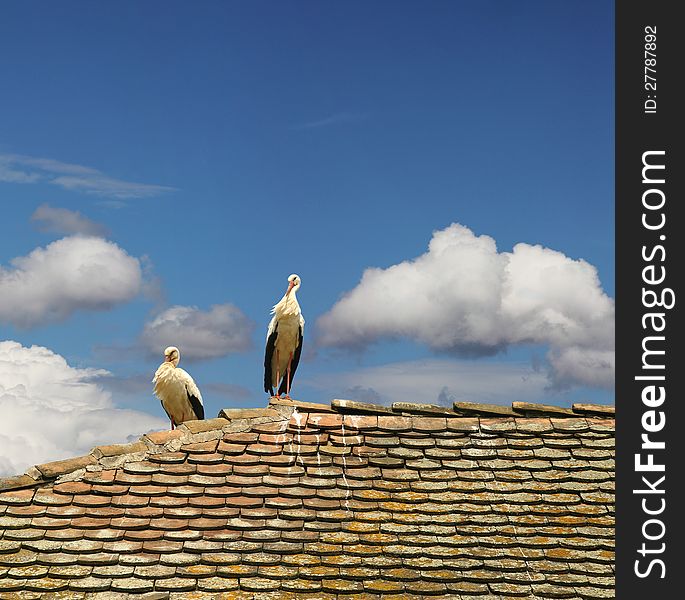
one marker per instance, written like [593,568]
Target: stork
[180,396]
[284,341]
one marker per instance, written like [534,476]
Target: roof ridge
[475,409]
[235,420]
[113,456]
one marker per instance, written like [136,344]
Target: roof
[301,500]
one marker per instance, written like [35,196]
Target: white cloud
[576,364]
[17,168]
[51,411]
[464,297]
[65,222]
[221,330]
[74,273]
[437,381]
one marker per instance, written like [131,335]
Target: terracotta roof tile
[301,406]
[595,409]
[409,501]
[359,408]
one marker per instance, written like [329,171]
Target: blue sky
[229,144]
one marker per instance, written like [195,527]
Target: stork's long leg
[287,385]
[278,374]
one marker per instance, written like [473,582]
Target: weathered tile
[595,409]
[535,425]
[54,469]
[473,408]
[463,424]
[160,438]
[325,420]
[575,425]
[604,426]
[359,408]
[17,497]
[498,425]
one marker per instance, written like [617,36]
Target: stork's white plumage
[180,396]
[284,341]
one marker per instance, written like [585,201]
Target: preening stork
[180,396]
[284,341]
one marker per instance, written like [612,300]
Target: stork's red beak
[167,359]
[291,284]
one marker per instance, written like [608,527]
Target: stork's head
[172,355]
[293,283]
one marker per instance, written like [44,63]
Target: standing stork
[284,341]
[180,396]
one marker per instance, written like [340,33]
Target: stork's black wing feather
[268,355]
[196,404]
[166,411]
[293,364]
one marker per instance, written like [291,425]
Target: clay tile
[602,425]
[429,424]
[541,410]
[360,422]
[141,467]
[118,449]
[160,438]
[233,414]
[261,449]
[232,449]
[463,424]
[16,483]
[533,425]
[477,409]
[414,408]
[200,447]
[204,425]
[72,487]
[299,421]
[575,424]
[276,428]
[281,438]
[605,410]
[259,584]
[54,469]
[325,421]
[362,408]
[497,425]
[242,437]
[395,423]
[300,405]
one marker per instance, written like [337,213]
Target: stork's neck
[288,305]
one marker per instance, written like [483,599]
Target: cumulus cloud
[361,394]
[65,222]
[464,297]
[576,364]
[17,168]
[437,381]
[74,273]
[51,411]
[199,334]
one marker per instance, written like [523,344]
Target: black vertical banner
[649,299]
